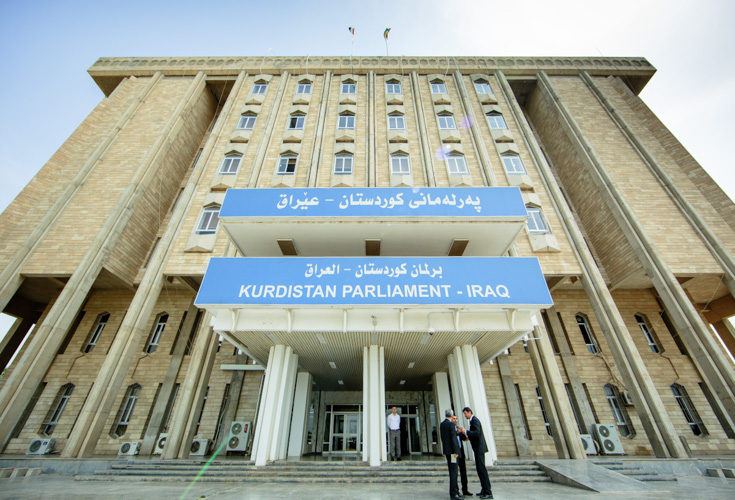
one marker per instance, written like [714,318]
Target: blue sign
[375,202]
[364,281]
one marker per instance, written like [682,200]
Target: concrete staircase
[309,472]
[635,471]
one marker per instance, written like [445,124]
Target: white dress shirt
[394,422]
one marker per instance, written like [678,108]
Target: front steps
[310,472]
[634,471]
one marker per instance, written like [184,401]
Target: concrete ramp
[586,475]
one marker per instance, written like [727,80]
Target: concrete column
[316,154]
[276,400]
[371,144]
[365,402]
[442,402]
[374,441]
[13,339]
[654,417]
[727,333]
[517,423]
[230,413]
[156,423]
[300,418]
[268,130]
[427,157]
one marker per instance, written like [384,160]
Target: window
[209,220]
[296,122]
[259,88]
[230,164]
[393,87]
[201,412]
[438,88]
[647,332]
[513,164]
[346,121]
[526,431]
[303,88]
[349,87]
[286,165]
[246,122]
[589,338]
[535,222]
[343,164]
[396,122]
[619,414]
[101,323]
[688,409]
[483,87]
[456,164]
[126,410]
[399,165]
[53,416]
[496,121]
[543,411]
[170,407]
[446,122]
[155,337]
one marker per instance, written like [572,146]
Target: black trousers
[462,472]
[453,488]
[482,474]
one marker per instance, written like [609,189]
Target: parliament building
[258,257]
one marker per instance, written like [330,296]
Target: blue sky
[47,46]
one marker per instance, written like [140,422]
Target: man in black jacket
[450,445]
[477,440]
[461,461]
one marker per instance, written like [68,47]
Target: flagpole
[386,46]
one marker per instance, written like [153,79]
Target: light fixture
[411,364]
[321,338]
[341,382]
[333,365]
[401,382]
[424,339]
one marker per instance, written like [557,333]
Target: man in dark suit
[477,440]
[461,460]
[450,445]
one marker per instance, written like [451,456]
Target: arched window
[586,330]
[96,332]
[57,408]
[209,220]
[126,410]
[625,428]
[648,332]
[687,408]
[155,336]
[496,121]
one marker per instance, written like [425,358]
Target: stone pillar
[274,411]
[514,406]
[442,402]
[300,417]
[374,440]
[427,156]
[727,333]
[230,413]
[13,339]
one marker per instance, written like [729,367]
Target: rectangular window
[303,88]
[201,412]
[438,88]
[222,410]
[513,164]
[209,220]
[526,431]
[170,406]
[543,411]
[396,122]
[586,330]
[617,410]
[126,410]
[687,408]
[230,165]
[647,334]
[57,409]
[535,222]
[349,88]
[393,87]
[496,121]
[343,164]
[456,165]
[101,323]
[247,122]
[259,88]
[286,165]
[346,121]
[296,122]
[483,88]
[399,165]
[446,122]
[156,334]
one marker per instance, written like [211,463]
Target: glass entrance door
[345,433]
[414,444]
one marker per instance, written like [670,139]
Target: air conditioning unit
[129,448]
[41,446]
[627,400]
[607,437]
[160,443]
[589,445]
[238,438]
[200,447]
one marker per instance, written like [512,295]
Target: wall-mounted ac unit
[627,400]
[589,445]
[129,448]
[238,438]
[200,447]
[607,436]
[160,443]
[41,446]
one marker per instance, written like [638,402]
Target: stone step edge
[296,480]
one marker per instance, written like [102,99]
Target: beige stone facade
[110,228]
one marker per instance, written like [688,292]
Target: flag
[352,30]
[385,34]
